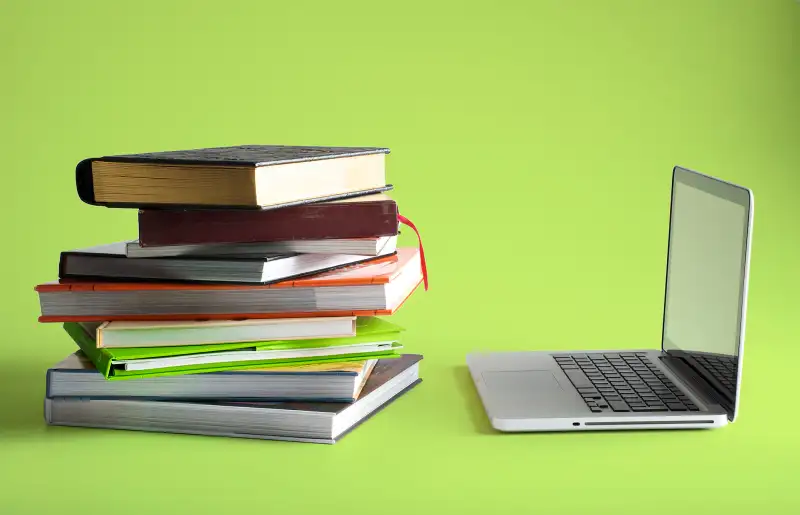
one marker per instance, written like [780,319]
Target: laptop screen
[706,287]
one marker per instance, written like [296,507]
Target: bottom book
[292,421]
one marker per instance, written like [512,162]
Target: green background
[532,142]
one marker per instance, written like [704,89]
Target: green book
[375,338]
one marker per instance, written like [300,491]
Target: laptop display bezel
[743,197]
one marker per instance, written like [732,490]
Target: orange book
[377,287]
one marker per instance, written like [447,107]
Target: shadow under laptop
[471,400]
[477,414]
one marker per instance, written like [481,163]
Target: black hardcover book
[244,176]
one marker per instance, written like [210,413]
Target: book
[378,287]
[76,376]
[324,423]
[369,216]
[124,334]
[374,338]
[239,176]
[382,245]
[111,262]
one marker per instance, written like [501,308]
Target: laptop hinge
[694,375]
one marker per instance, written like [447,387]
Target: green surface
[532,143]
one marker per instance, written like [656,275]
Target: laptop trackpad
[524,392]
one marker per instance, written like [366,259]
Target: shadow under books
[22,401]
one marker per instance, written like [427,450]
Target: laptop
[693,381]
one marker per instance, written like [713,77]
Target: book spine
[84,181]
[306,222]
[49,382]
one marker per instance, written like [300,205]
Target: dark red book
[360,217]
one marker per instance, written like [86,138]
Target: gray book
[293,421]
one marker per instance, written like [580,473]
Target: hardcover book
[324,423]
[76,376]
[369,216]
[379,246]
[111,262]
[378,287]
[123,334]
[244,176]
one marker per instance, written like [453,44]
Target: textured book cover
[363,217]
[235,158]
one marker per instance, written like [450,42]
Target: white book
[245,356]
[358,246]
[122,334]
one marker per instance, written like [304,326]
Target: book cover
[367,330]
[121,334]
[253,156]
[77,377]
[110,262]
[399,273]
[290,421]
[382,373]
[364,217]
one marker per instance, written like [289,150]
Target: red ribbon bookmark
[403,220]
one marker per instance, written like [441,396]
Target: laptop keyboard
[622,382]
[722,368]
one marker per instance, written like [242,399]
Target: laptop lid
[705,301]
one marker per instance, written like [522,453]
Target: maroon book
[361,217]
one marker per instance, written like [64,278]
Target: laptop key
[623,382]
[618,406]
[578,378]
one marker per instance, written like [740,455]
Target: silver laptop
[693,381]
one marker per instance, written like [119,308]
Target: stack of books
[252,304]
